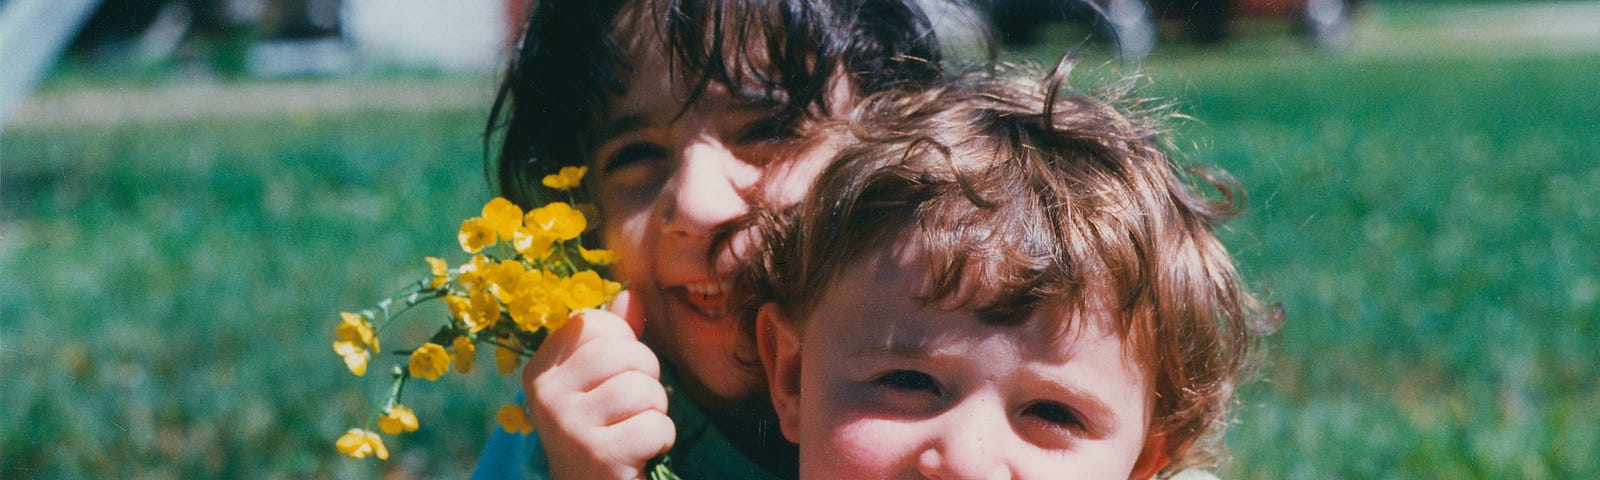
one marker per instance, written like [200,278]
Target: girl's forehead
[741,66]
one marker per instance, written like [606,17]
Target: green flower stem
[657,469]
[399,387]
[495,341]
[566,255]
[389,317]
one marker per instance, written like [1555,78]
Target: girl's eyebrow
[757,96]
[617,127]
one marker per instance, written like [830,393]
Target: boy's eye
[1056,414]
[909,381]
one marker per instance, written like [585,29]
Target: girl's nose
[712,189]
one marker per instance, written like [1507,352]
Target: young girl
[998,282]
[687,114]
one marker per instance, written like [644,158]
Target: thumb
[623,306]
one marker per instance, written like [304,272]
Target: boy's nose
[711,190]
[969,448]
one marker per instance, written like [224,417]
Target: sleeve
[510,456]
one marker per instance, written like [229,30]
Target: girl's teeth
[704,288]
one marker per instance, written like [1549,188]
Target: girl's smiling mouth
[709,299]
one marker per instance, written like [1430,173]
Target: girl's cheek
[625,233]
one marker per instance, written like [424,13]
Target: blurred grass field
[1430,222]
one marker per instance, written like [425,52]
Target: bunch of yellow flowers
[528,272]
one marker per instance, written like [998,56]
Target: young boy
[999,281]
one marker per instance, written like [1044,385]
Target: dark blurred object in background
[1131,26]
[211,34]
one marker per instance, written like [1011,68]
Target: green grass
[1431,228]
[171,288]
[1430,225]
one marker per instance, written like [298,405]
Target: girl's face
[877,385]
[669,180]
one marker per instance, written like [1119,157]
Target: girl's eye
[631,155]
[771,130]
[1056,414]
[909,381]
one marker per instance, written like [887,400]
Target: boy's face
[876,386]
[667,184]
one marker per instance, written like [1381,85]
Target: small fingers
[637,439]
[625,396]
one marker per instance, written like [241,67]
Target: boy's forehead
[905,264]
[884,289]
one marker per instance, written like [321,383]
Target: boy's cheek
[859,446]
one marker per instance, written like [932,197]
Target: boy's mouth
[709,299]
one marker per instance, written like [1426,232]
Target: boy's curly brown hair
[1024,195]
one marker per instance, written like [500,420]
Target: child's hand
[596,399]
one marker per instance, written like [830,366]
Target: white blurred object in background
[456,35]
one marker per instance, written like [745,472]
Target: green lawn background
[1428,221]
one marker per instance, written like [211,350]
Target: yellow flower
[530,313]
[557,220]
[429,361]
[460,308]
[355,328]
[472,273]
[598,258]
[502,217]
[359,443]
[439,270]
[475,234]
[532,244]
[478,312]
[354,335]
[503,278]
[587,290]
[567,178]
[354,359]
[397,420]
[514,419]
[461,352]
[506,360]
[485,311]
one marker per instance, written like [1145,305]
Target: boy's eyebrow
[1096,413]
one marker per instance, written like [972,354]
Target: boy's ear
[1152,459]
[779,347]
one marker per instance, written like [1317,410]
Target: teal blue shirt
[700,452]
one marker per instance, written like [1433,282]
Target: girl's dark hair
[1021,197]
[574,52]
